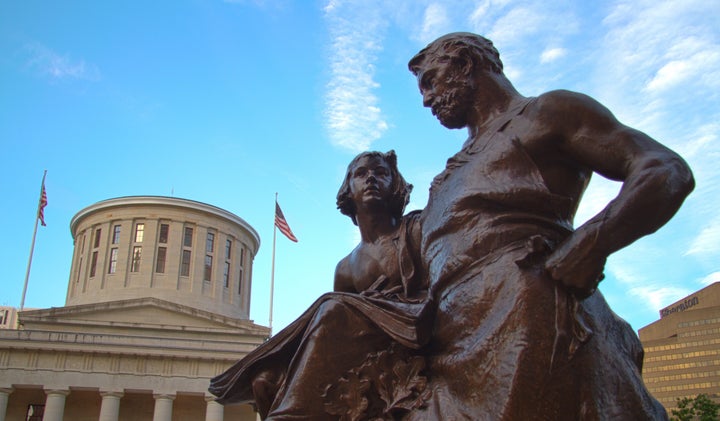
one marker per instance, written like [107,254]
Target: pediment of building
[137,313]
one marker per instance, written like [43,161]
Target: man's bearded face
[447,92]
[452,103]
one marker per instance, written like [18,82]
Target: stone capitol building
[158,302]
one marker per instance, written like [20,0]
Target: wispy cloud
[707,242]
[518,23]
[652,47]
[711,278]
[700,146]
[690,58]
[508,23]
[600,192]
[656,297]
[436,22]
[519,29]
[552,54]
[654,293]
[700,140]
[624,272]
[354,117]
[57,66]
[331,5]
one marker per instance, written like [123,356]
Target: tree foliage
[699,408]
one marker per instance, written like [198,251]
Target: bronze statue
[486,306]
[365,329]
[520,331]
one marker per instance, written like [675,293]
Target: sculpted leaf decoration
[409,387]
[346,398]
[388,384]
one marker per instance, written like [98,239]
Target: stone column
[55,404]
[110,407]
[163,407]
[213,410]
[4,397]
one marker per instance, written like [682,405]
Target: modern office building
[682,349]
[158,303]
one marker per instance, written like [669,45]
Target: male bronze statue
[520,331]
[512,327]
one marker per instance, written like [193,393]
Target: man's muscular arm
[655,183]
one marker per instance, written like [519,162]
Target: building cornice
[163,201]
[63,314]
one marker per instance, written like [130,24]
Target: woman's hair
[400,188]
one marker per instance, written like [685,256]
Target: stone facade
[138,340]
[8,317]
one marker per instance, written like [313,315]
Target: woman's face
[370,183]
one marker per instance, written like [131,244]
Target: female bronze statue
[357,333]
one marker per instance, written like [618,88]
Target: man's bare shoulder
[564,101]
[570,111]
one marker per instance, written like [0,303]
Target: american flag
[282,224]
[42,204]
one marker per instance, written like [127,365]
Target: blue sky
[229,102]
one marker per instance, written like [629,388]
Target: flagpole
[272,271]
[32,244]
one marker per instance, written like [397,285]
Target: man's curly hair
[476,48]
